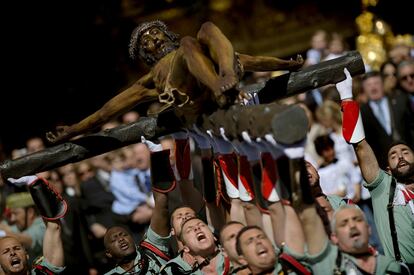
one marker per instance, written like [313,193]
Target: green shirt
[325,262]
[336,201]
[222,267]
[36,231]
[153,267]
[404,219]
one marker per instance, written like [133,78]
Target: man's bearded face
[403,175]
[401,162]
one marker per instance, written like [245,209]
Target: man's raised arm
[52,244]
[353,130]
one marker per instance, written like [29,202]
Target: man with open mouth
[200,253]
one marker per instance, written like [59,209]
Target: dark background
[62,60]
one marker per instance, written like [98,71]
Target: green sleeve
[324,262]
[160,242]
[46,264]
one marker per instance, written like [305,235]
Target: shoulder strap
[338,262]
[390,209]
[226,265]
[292,263]
[41,270]
[155,250]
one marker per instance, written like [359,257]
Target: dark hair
[227,225]
[388,62]
[322,143]
[241,232]
[371,74]
[398,142]
[179,207]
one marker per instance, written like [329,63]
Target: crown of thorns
[140,30]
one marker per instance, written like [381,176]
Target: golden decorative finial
[376,37]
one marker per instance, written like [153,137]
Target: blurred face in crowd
[328,154]
[228,240]
[257,251]
[178,217]
[34,144]
[130,117]
[21,217]
[401,162]
[119,243]
[406,77]
[351,231]
[197,238]
[389,73]
[399,53]
[13,256]
[141,156]
[85,171]
[373,87]
[336,46]
[319,40]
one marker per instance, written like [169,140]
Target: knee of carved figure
[206,30]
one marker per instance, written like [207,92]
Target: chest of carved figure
[161,71]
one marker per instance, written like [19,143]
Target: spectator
[34,144]
[385,119]
[405,74]
[30,227]
[389,75]
[129,117]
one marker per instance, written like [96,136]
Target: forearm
[367,161]
[236,211]
[52,244]
[190,195]
[160,218]
[293,234]
[252,214]
[278,216]
[313,229]
[216,215]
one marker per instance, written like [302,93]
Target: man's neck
[208,263]
[127,265]
[128,262]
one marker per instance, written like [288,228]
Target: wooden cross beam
[328,72]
